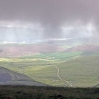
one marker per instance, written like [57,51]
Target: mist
[42,19]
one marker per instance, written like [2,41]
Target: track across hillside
[65,81]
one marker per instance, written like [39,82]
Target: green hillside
[81,72]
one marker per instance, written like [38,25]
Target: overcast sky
[38,19]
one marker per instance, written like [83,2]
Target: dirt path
[58,71]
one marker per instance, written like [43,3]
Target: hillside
[81,72]
[8,77]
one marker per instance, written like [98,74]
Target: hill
[18,50]
[8,77]
[83,48]
[81,72]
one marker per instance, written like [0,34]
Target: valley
[57,66]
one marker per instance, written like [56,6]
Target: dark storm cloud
[52,14]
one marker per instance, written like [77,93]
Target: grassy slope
[81,72]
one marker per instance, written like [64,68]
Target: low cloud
[54,18]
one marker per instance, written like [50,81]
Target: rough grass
[31,92]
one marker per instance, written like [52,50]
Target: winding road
[58,71]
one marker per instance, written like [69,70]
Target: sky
[44,19]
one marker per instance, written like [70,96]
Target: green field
[81,72]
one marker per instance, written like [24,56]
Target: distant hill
[11,50]
[83,48]
[8,77]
